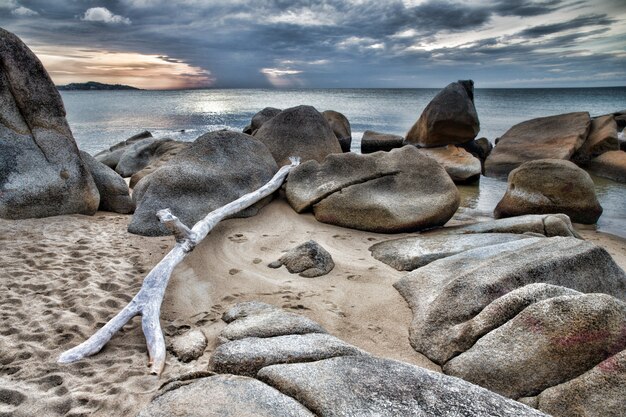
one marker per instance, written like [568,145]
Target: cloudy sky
[163,44]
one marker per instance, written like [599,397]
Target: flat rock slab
[611,165]
[270,324]
[309,260]
[247,356]
[369,386]
[549,225]
[387,192]
[462,166]
[548,343]
[409,253]
[554,137]
[224,396]
[376,141]
[450,291]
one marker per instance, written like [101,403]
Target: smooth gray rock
[450,291]
[341,128]
[214,170]
[224,396]
[550,186]
[142,153]
[549,225]
[270,324]
[369,386]
[450,118]
[299,131]
[602,138]
[247,308]
[611,165]
[376,141]
[553,137]
[247,356]
[111,156]
[41,172]
[114,193]
[308,260]
[386,192]
[409,253]
[189,346]
[260,118]
[548,343]
[462,166]
[159,157]
[598,392]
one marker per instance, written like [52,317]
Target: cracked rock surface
[387,192]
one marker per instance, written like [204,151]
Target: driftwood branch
[148,300]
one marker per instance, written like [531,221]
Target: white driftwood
[148,300]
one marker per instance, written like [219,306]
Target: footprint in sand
[238,238]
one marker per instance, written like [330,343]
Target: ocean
[100,119]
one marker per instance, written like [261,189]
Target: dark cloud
[577,23]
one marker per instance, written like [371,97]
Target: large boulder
[375,141]
[309,259]
[409,253]
[548,343]
[446,293]
[299,131]
[611,165]
[387,192]
[550,186]
[160,156]
[114,193]
[450,118]
[260,118]
[41,172]
[217,168]
[370,386]
[602,138]
[553,137]
[341,128]
[111,156]
[223,396]
[461,165]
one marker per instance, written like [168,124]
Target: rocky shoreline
[403,306]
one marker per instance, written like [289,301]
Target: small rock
[308,259]
[260,118]
[375,141]
[189,346]
[111,156]
[341,128]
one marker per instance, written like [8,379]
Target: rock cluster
[114,193]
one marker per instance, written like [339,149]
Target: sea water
[100,119]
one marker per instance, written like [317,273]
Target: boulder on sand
[260,118]
[602,138]
[299,131]
[41,172]
[111,156]
[550,186]
[450,118]
[375,141]
[309,260]
[461,165]
[341,128]
[386,192]
[611,165]
[553,137]
[214,170]
[114,193]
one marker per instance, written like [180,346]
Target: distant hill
[92,85]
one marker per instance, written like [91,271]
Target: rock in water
[553,137]
[299,131]
[602,138]
[611,165]
[369,386]
[217,168]
[310,260]
[41,173]
[461,165]
[223,396]
[375,141]
[111,157]
[386,192]
[450,118]
[114,193]
[260,118]
[548,343]
[341,128]
[550,186]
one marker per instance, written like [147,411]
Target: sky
[167,44]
